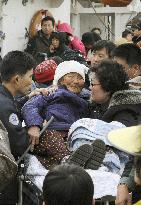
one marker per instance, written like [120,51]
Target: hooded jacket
[75,43]
[124,107]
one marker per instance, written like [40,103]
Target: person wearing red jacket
[72,41]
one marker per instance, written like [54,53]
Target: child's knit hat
[45,71]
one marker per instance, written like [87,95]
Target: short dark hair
[68,185]
[57,59]
[131,53]
[90,38]
[125,33]
[16,62]
[48,18]
[96,28]
[111,76]
[108,45]
[74,55]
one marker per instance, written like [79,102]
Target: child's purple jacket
[65,106]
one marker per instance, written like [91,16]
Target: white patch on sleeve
[13,119]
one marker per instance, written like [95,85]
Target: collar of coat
[125,97]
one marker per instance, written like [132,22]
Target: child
[44,73]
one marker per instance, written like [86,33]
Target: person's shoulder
[37,35]
[63,91]
[5,100]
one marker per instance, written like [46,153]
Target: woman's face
[55,42]
[98,94]
[73,81]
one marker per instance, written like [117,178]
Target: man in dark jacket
[39,45]
[16,75]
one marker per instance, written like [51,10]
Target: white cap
[69,67]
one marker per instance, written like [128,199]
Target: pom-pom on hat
[69,67]
[45,71]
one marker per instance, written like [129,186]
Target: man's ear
[15,79]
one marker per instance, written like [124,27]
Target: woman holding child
[66,105]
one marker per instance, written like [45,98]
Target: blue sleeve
[32,111]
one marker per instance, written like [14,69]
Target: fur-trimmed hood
[125,97]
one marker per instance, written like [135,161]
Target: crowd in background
[62,76]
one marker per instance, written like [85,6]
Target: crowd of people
[61,76]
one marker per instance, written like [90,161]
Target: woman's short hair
[111,76]
[68,185]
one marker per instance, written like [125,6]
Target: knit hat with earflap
[69,67]
[44,72]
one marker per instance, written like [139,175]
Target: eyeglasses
[93,84]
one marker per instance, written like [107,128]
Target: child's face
[73,81]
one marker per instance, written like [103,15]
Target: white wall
[89,21]
[85,18]
[16,17]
